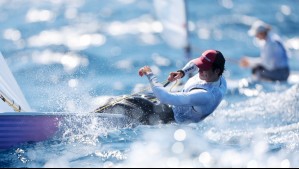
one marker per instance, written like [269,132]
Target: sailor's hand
[144,70]
[174,76]
[244,62]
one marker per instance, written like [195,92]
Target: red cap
[206,60]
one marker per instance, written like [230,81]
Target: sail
[10,90]
[172,15]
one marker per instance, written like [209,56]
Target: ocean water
[70,55]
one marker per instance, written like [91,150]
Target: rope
[123,98]
[10,102]
[175,85]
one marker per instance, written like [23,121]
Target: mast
[187,48]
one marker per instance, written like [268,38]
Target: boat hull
[16,128]
[23,127]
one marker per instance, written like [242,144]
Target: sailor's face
[208,75]
[261,35]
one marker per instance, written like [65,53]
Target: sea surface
[68,56]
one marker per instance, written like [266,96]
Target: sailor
[272,65]
[201,94]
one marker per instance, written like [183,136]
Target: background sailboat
[174,19]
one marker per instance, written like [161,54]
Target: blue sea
[69,56]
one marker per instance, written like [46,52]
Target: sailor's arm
[187,69]
[250,62]
[195,97]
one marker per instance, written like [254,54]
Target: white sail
[172,15]
[10,90]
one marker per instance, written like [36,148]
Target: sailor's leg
[165,113]
[278,74]
[144,109]
[153,111]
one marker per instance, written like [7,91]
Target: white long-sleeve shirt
[273,54]
[197,99]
